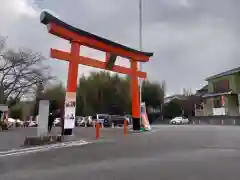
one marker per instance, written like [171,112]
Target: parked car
[19,123]
[81,123]
[105,119]
[129,119]
[32,124]
[102,119]
[78,120]
[118,120]
[11,122]
[57,122]
[179,120]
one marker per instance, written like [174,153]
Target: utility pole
[140,48]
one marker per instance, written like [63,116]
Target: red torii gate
[77,38]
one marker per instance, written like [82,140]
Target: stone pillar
[42,128]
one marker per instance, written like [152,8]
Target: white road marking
[15,152]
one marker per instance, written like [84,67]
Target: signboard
[219,111]
[70,108]
[144,117]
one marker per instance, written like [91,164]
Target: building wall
[216,120]
[208,110]
[237,81]
[231,106]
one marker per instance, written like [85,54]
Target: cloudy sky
[191,39]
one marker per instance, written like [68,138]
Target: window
[217,103]
[204,101]
[221,86]
[199,106]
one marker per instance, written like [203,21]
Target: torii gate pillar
[135,97]
[70,99]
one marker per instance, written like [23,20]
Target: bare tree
[20,72]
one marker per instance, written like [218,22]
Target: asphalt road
[168,152]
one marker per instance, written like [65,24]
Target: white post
[222,122]
[234,122]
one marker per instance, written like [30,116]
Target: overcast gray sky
[191,39]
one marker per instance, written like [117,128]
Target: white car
[32,124]
[11,122]
[19,122]
[57,122]
[179,120]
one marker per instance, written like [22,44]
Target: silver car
[179,120]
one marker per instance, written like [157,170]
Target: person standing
[50,122]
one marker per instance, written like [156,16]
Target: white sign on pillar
[70,109]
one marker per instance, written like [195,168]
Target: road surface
[168,153]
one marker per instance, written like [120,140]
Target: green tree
[102,92]
[55,94]
[16,112]
[153,93]
[172,109]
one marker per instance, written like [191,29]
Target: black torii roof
[47,18]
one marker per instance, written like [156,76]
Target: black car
[117,120]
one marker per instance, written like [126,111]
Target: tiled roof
[170,98]
[226,73]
